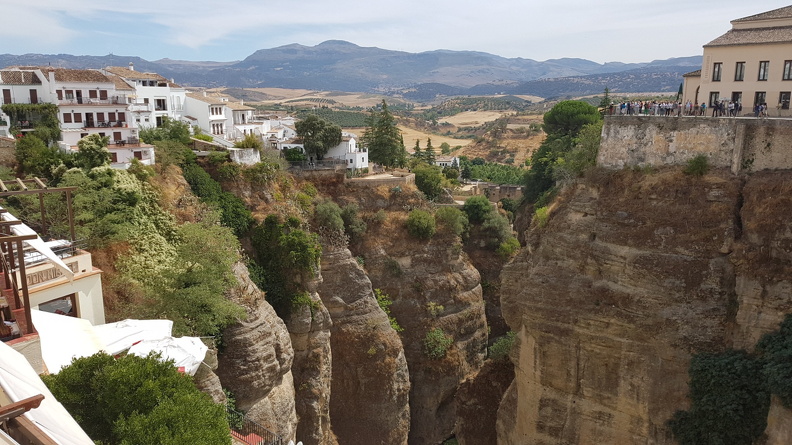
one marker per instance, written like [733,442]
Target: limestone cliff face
[433,285]
[256,361]
[309,327]
[369,401]
[630,276]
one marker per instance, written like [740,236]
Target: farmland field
[410,135]
[472,118]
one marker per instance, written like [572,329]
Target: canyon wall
[633,274]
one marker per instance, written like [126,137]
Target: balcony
[140,108]
[105,124]
[115,100]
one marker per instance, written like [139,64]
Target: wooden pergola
[12,256]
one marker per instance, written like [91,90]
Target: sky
[229,30]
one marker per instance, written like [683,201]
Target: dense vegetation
[342,118]
[730,392]
[478,168]
[383,139]
[136,400]
[573,130]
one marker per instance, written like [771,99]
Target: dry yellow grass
[472,118]
[410,135]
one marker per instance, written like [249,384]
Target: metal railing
[251,432]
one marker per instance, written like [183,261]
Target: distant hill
[337,65]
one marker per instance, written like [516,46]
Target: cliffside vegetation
[730,392]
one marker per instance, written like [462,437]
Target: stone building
[750,64]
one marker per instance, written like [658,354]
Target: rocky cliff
[255,363]
[369,400]
[632,274]
[433,286]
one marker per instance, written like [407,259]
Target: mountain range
[343,66]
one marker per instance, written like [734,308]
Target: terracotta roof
[120,84]
[208,99]
[127,73]
[780,13]
[782,34]
[70,75]
[696,73]
[15,77]
[236,106]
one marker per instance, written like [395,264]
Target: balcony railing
[116,100]
[251,432]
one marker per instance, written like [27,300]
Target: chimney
[131,66]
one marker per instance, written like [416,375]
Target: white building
[88,101]
[446,161]
[354,157]
[154,97]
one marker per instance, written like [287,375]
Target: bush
[477,208]
[203,137]
[261,173]
[218,157]
[497,228]
[453,220]
[421,224]
[698,166]
[354,226]
[436,343]
[508,248]
[729,401]
[137,400]
[501,347]
[384,302]
[541,215]
[327,215]
[428,179]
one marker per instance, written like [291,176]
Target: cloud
[605,30]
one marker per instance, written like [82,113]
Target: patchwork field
[472,118]
[410,135]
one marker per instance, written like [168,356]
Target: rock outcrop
[632,275]
[477,401]
[256,360]
[370,385]
[309,328]
[433,286]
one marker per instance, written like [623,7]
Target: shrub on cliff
[452,220]
[436,343]
[421,224]
[354,226]
[698,166]
[477,208]
[729,401]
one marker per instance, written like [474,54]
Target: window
[763,67]
[160,104]
[60,94]
[121,116]
[111,117]
[739,71]
[783,100]
[716,72]
[138,155]
[113,157]
[787,70]
[6,96]
[67,118]
[714,95]
[100,116]
[78,118]
[69,94]
[92,94]
[736,97]
[103,94]
[760,98]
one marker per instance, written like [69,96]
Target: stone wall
[739,144]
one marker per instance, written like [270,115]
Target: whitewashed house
[154,97]
[89,102]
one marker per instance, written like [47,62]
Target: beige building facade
[750,64]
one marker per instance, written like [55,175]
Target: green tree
[169,130]
[117,400]
[92,152]
[35,158]
[318,136]
[477,208]
[568,117]
[606,100]
[429,179]
[429,154]
[445,148]
[383,139]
